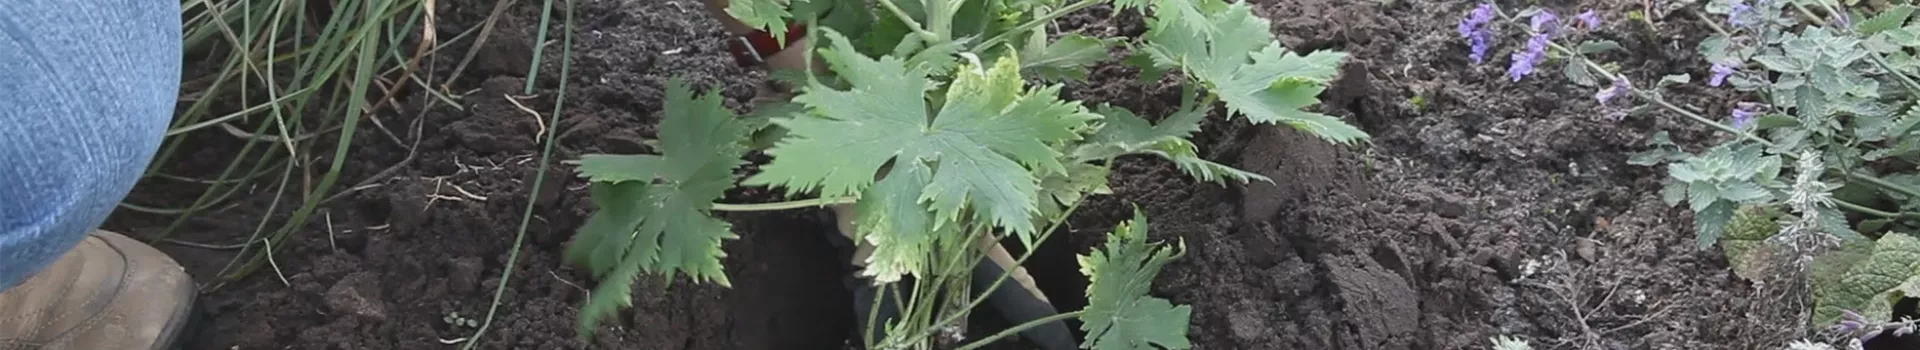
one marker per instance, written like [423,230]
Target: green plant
[1825,98]
[292,82]
[454,319]
[1839,98]
[931,127]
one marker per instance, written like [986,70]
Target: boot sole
[187,320]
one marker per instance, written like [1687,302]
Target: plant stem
[1022,261]
[1871,211]
[806,60]
[1882,183]
[911,23]
[1698,118]
[957,294]
[1035,22]
[939,19]
[804,203]
[1016,329]
[1703,20]
[1904,80]
[1902,189]
[873,314]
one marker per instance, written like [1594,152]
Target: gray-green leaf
[1887,19]
[1673,193]
[1597,46]
[1675,79]
[1743,192]
[1711,222]
[1579,74]
[1779,63]
[1646,158]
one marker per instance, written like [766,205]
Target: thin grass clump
[279,89]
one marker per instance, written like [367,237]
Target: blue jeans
[87,88]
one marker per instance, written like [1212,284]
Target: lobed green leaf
[1066,58]
[653,214]
[980,148]
[1119,314]
[768,15]
[614,168]
[1236,56]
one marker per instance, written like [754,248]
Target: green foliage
[1836,105]
[653,210]
[1872,283]
[1233,54]
[767,15]
[1824,93]
[1663,151]
[454,319]
[1825,98]
[1746,243]
[292,81]
[1119,315]
[1123,133]
[1064,59]
[938,123]
[980,149]
[1715,183]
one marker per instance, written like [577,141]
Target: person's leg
[88,88]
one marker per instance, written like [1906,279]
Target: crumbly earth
[1482,206]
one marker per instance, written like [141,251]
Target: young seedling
[454,319]
[937,124]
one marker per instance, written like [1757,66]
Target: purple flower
[1479,47]
[1620,87]
[1720,73]
[1476,20]
[1474,28]
[1545,22]
[1743,114]
[1739,8]
[1590,19]
[1523,61]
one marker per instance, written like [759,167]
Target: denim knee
[87,88]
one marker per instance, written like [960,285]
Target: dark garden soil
[1492,207]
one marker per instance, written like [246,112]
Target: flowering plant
[1823,99]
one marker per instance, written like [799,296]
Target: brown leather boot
[109,293]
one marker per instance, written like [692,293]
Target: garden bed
[1482,207]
